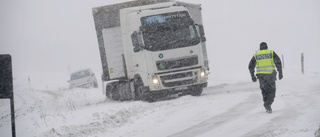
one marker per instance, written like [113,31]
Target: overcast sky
[58,36]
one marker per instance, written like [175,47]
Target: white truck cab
[155,49]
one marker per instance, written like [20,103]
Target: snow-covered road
[227,109]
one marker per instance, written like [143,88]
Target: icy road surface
[223,110]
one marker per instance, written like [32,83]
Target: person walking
[265,61]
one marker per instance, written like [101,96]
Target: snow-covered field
[49,39]
[224,109]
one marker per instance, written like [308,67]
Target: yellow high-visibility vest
[264,61]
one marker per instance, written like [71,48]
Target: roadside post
[6,85]
[302,63]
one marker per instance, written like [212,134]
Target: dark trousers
[268,88]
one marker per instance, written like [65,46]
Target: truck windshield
[165,37]
[168,31]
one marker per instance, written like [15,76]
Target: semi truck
[151,48]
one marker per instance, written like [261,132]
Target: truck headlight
[155,80]
[202,73]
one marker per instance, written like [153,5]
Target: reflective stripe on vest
[264,61]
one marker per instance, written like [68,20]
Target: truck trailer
[151,48]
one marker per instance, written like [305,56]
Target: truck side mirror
[136,41]
[201,30]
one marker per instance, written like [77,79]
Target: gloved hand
[280,76]
[254,78]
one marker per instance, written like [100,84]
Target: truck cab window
[170,37]
[168,31]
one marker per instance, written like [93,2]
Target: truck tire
[109,88]
[112,91]
[138,87]
[141,92]
[120,90]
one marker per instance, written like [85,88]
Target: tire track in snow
[290,115]
[251,102]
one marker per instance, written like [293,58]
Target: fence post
[302,63]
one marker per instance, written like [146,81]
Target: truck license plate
[180,88]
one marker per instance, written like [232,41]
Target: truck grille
[177,63]
[183,76]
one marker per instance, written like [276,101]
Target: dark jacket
[277,62]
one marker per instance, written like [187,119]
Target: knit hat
[263,46]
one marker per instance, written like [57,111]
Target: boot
[269,109]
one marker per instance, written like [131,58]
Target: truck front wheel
[141,92]
[139,89]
